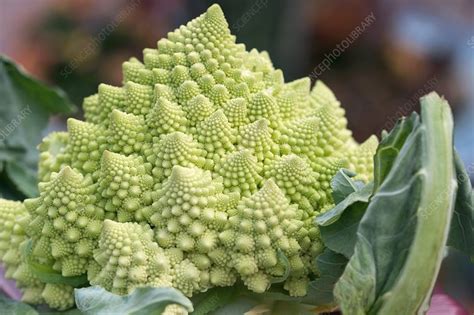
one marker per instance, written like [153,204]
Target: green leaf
[24,177]
[356,289]
[339,225]
[237,306]
[461,233]
[357,195]
[25,106]
[212,300]
[8,189]
[390,146]
[11,307]
[403,232]
[331,266]
[341,235]
[342,185]
[73,311]
[142,301]
[320,291]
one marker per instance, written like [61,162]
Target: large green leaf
[142,301]
[237,306]
[212,300]
[341,235]
[390,147]
[339,225]
[24,177]
[331,266]
[25,106]
[11,307]
[461,233]
[342,185]
[73,311]
[357,195]
[320,291]
[403,232]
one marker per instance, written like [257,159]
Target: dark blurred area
[404,49]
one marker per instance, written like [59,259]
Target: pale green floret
[184,212]
[264,224]
[139,98]
[197,110]
[257,138]
[236,112]
[165,92]
[216,135]
[332,134]
[50,150]
[228,202]
[287,103]
[188,214]
[297,180]
[85,146]
[13,222]
[10,210]
[98,110]
[325,169]
[30,286]
[205,162]
[134,70]
[299,89]
[65,222]
[58,296]
[175,309]
[321,95]
[263,105]
[176,149]
[240,172]
[186,91]
[123,187]
[128,258]
[13,216]
[165,117]
[219,95]
[360,159]
[300,136]
[90,106]
[127,133]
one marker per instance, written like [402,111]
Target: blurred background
[401,50]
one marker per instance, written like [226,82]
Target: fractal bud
[205,168]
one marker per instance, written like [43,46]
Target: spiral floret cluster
[203,169]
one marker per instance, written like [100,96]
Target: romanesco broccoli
[204,168]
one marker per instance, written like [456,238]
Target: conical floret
[166,117]
[240,172]
[173,149]
[361,159]
[123,186]
[127,134]
[257,138]
[65,222]
[264,225]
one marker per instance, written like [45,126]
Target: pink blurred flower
[8,286]
[442,304]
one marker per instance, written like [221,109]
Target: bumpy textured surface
[204,168]
[13,243]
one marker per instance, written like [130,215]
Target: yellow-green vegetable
[204,168]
